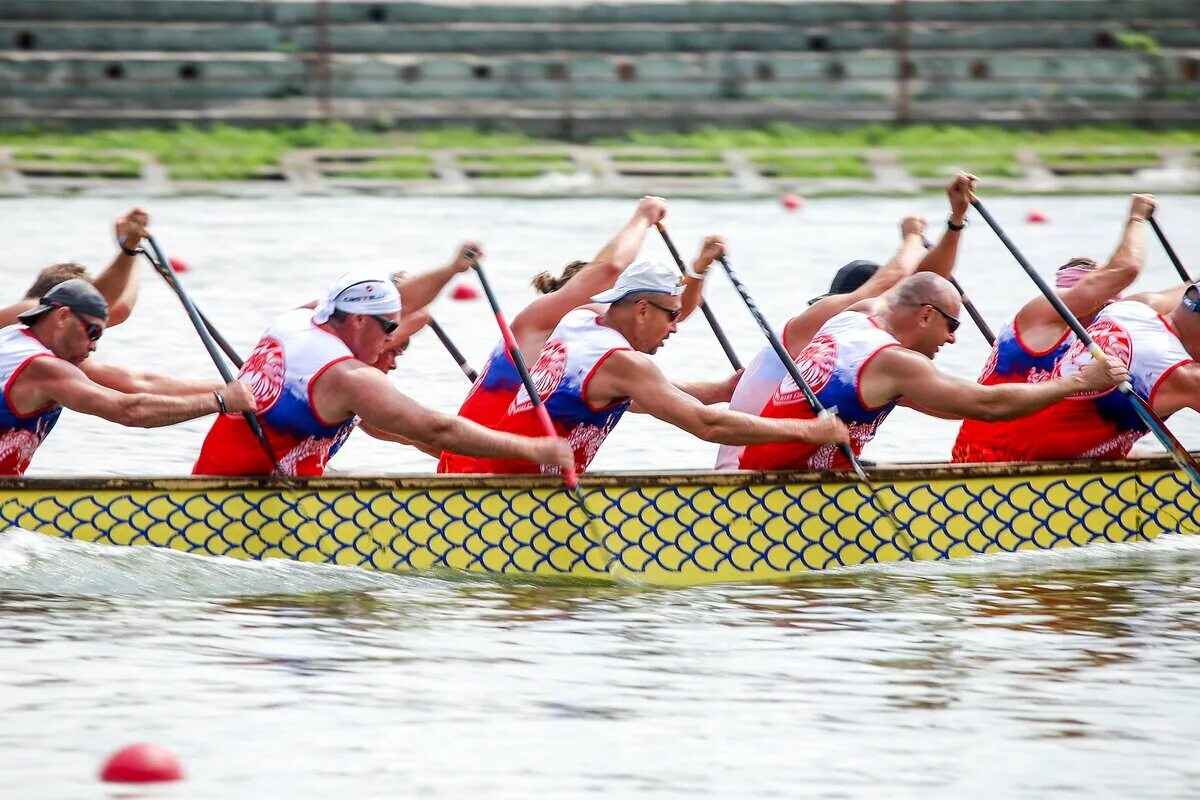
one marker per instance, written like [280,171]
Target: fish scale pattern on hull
[682,529]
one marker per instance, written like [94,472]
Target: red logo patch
[263,370]
[1111,338]
[816,362]
[547,374]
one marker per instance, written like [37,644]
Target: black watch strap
[953,227]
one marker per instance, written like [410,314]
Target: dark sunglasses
[673,313]
[951,322]
[94,330]
[389,325]
[1191,298]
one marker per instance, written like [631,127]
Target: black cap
[76,294]
[849,278]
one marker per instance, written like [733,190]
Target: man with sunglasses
[1160,352]
[1030,343]
[313,378]
[879,353]
[44,367]
[853,283]
[596,365]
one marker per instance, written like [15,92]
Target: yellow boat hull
[679,528]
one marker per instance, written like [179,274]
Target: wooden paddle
[722,339]
[163,265]
[1182,457]
[1170,250]
[570,477]
[809,394]
[454,352]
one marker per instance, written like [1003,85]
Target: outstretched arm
[418,291]
[942,256]
[1094,290]
[707,392]
[896,372]
[382,407]
[800,329]
[539,317]
[59,382]
[129,381]
[633,375]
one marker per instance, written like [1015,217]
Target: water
[1055,675]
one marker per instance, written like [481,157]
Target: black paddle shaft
[209,344]
[221,341]
[454,352]
[1183,273]
[788,363]
[717,330]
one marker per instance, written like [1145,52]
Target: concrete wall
[600,67]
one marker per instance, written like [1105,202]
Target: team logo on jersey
[816,362]
[1110,337]
[263,370]
[547,374]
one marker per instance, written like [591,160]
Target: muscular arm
[382,407]
[119,283]
[1180,390]
[384,436]
[8,314]
[418,291]
[800,329]
[942,257]
[633,375]
[538,318]
[130,381]
[1095,289]
[707,392]
[1163,302]
[896,372]
[59,382]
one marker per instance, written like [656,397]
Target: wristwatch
[950,224]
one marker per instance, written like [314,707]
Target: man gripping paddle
[596,364]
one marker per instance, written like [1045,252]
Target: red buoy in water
[1036,217]
[180,265]
[141,763]
[464,291]
[791,202]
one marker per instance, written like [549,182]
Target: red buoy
[792,202]
[141,763]
[1036,217]
[464,291]
[180,265]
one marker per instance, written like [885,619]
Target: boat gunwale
[890,473]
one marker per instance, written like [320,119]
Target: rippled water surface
[1057,675]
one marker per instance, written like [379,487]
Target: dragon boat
[661,528]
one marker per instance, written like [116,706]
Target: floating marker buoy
[791,202]
[1036,217]
[180,265]
[141,763]
[464,291]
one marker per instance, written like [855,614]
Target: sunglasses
[951,322]
[389,325]
[94,330]
[673,313]
[1191,298]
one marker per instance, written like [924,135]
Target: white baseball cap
[644,276]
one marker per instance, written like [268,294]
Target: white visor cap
[358,293]
[644,276]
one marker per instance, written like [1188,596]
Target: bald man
[878,354]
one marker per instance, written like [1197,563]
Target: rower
[1160,352]
[879,353]
[597,363]
[313,378]
[44,367]
[498,382]
[1030,343]
[853,283]
[118,283]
